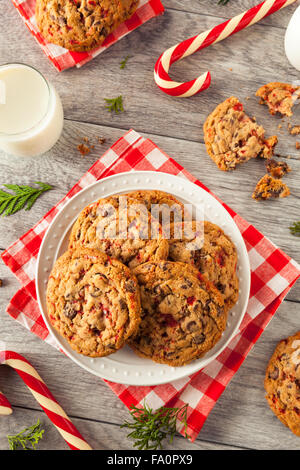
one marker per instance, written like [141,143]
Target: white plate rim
[150,378]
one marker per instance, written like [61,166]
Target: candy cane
[212,36]
[5,406]
[45,399]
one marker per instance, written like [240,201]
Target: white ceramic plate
[124,366]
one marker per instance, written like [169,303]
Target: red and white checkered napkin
[62,58]
[273,274]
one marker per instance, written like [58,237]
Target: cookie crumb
[1,283]
[277,169]
[294,130]
[83,149]
[298,145]
[230,69]
[269,187]
[101,140]
[279,126]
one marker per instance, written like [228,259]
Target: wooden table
[239,65]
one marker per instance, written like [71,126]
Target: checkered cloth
[273,274]
[63,59]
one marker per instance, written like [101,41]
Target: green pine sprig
[27,439]
[150,428]
[115,104]
[124,62]
[23,198]
[295,229]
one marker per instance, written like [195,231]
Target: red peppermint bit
[238,107]
[297,410]
[274,399]
[49,32]
[282,410]
[72,41]
[106,312]
[69,27]
[200,277]
[191,300]
[170,320]
[104,13]
[220,258]
[91,2]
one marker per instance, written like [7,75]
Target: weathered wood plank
[147,109]
[234,7]
[101,436]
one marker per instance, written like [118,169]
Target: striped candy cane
[44,397]
[196,43]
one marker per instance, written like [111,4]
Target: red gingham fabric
[62,58]
[273,274]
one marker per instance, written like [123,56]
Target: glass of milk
[31,113]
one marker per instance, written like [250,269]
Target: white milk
[292,40]
[31,113]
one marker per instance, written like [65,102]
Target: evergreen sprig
[27,439]
[115,104]
[295,229]
[24,197]
[150,428]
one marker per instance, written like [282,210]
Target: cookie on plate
[183,314]
[269,187]
[169,209]
[210,250]
[117,227]
[81,25]
[231,137]
[93,301]
[282,382]
[279,97]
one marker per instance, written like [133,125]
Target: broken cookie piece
[277,169]
[295,130]
[231,137]
[279,97]
[269,187]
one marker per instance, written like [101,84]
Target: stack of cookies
[137,273]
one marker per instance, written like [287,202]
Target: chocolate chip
[69,311]
[96,292]
[274,374]
[78,234]
[122,304]
[199,339]
[191,326]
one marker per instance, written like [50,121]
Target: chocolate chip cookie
[279,97]
[210,250]
[183,314]
[93,301]
[81,25]
[122,228]
[231,137]
[163,206]
[269,187]
[282,382]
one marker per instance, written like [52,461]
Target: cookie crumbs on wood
[294,130]
[101,140]
[1,283]
[269,187]
[277,169]
[83,149]
[298,145]
[278,97]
